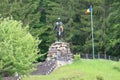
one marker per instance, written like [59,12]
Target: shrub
[76,57]
[18,48]
[0,77]
[99,77]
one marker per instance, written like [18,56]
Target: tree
[18,48]
[41,15]
[97,24]
[113,43]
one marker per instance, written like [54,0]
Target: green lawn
[84,70]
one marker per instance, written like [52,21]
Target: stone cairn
[59,54]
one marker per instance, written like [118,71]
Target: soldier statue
[59,29]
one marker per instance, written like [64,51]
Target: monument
[60,51]
[59,54]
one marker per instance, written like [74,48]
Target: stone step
[45,68]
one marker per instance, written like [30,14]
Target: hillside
[84,70]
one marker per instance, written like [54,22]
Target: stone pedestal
[60,51]
[59,54]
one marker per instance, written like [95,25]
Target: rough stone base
[60,51]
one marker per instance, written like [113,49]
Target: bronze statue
[59,28]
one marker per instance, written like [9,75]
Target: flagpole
[92,33]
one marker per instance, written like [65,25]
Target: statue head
[58,19]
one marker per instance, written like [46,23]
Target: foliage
[0,78]
[18,48]
[41,15]
[113,45]
[76,57]
[99,77]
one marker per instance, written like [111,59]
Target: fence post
[98,55]
[105,56]
[109,57]
[86,56]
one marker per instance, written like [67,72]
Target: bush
[76,57]
[99,77]
[18,48]
[42,57]
[0,77]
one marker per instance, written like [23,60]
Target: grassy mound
[84,70]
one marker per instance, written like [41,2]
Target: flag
[89,10]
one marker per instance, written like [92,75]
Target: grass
[84,70]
